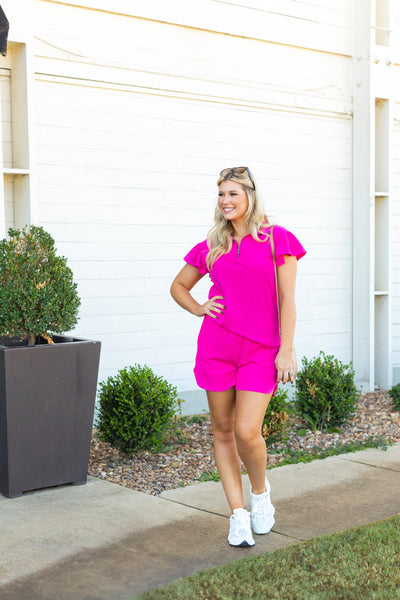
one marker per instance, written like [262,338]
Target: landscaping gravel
[184,463]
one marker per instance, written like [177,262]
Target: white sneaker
[262,510]
[239,529]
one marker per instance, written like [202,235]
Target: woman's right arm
[180,291]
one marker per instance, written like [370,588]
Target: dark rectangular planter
[47,398]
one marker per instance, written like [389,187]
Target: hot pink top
[245,277]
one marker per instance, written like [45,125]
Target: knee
[223,431]
[247,437]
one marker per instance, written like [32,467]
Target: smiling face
[232,201]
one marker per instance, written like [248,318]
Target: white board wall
[137,107]
[130,137]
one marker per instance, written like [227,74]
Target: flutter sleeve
[286,243]
[197,257]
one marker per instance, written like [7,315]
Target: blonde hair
[220,235]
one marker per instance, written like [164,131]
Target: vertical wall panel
[9,201]
[396,197]
[6,138]
[396,243]
[6,119]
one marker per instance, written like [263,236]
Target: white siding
[134,120]
[319,24]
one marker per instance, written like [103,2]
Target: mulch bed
[154,473]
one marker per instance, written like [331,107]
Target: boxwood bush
[326,395]
[394,394]
[136,409]
[38,296]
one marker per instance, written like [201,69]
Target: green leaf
[37,291]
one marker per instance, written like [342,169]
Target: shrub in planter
[326,395]
[136,409]
[394,394]
[47,384]
[276,417]
[37,291]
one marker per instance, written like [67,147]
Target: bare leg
[222,412]
[250,411]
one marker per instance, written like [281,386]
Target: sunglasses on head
[238,171]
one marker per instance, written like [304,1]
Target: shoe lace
[261,507]
[259,511]
[242,523]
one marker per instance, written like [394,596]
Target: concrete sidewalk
[101,541]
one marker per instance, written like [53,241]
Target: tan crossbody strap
[271,237]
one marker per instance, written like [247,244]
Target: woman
[242,351]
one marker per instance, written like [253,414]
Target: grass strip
[362,563]
[315,453]
[303,456]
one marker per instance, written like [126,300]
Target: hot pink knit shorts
[225,359]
